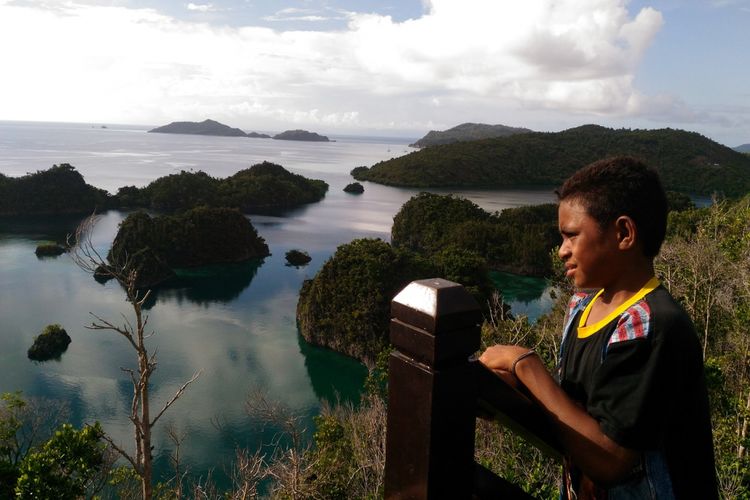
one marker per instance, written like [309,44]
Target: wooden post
[431,392]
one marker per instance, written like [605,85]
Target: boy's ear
[627,232]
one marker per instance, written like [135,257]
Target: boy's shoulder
[657,314]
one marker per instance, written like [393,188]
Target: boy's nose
[564,251]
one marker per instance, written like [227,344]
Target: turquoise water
[526,295]
[234,324]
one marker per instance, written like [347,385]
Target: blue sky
[380,67]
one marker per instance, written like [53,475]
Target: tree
[66,466]
[87,258]
[25,423]
[706,266]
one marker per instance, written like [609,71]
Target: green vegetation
[354,188]
[51,343]
[262,186]
[517,239]
[296,257]
[40,457]
[346,306]
[467,132]
[155,246]
[58,190]
[687,162]
[49,250]
[66,466]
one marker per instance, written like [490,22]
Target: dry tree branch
[176,396]
[122,452]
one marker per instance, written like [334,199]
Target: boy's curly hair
[618,186]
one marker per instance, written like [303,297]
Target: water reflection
[207,284]
[323,370]
[40,227]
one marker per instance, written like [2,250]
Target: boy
[631,405]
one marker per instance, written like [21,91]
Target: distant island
[467,132]
[206,127]
[156,246]
[300,135]
[212,127]
[256,135]
[687,161]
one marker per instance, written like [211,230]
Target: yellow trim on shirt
[585,330]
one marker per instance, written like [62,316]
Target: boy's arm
[597,455]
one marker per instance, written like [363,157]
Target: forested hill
[466,132]
[687,161]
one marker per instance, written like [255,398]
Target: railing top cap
[436,297]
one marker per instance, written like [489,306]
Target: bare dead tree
[85,256]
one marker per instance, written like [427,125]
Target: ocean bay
[236,325]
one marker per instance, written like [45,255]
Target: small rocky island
[297,258]
[49,250]
[354,188]
[300,135]
[206,127]
[156,246]
[50,344]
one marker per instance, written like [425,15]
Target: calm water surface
[236,324]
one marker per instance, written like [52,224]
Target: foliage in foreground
[37,462]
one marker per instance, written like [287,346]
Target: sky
[387,68]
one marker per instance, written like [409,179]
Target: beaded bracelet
[525,355]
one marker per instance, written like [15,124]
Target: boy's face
[590,253]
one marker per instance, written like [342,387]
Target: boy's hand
[500,358]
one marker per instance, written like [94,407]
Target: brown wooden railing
[435,393]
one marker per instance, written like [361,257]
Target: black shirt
[639,373]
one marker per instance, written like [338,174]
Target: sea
[235,325]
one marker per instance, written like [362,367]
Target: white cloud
[297,14]
[112,63]
[201,7]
